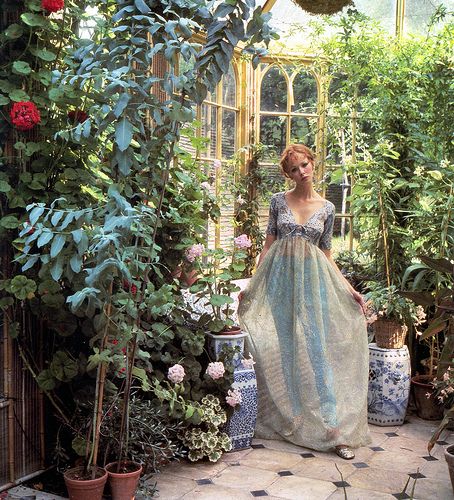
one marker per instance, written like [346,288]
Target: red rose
[24,115]
[78,116]
[52,5]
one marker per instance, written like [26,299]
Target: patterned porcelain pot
[216,342]
[389,385]
[241,425]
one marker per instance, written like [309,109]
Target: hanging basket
[389,334]
[323,6]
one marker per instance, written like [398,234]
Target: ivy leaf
[123,134]
[22,288]
[63,367]
[44,54]
[21,68]
[57,245]
[46,381]
[18,95]
[3,100]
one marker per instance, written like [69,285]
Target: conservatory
[144,332]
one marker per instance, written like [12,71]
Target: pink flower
[176,374]
[242,241]
[233,397]
[215,370]
[217,164]
[195,251]
[248,363]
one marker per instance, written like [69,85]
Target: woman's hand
[359,299]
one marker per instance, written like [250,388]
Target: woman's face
[300,168]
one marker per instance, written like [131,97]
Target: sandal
[344,452]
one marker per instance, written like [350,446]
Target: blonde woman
[306,324]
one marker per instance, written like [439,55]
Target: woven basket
[323,6]
[389,334]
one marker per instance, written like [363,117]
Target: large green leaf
[18,95]
[44,54]
[21,68]
[123,134]
[63,367]
[33,19]
[57,244]
[22,287]
[14,31]
[9,222]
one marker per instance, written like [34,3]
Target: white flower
[176,374]
[242,241]
[195,251]
[248,363]
[205,185]
[217,164]
[240,200]
[419,171]
[215,370]
[233,397]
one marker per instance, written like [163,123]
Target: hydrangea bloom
[216,370]
[233,397]
[249,362]
[193,252]
[242,241]
[24,115]
[176,374]
[52,5]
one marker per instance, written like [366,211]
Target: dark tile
[234,464]
[391,434]
[307,455]
[204,481]
[285,473]
[360,465]
[341,484]
[443,443]
[257,446]
[400,496]
[259,493]
[430,458]
[377,448]
[417,475]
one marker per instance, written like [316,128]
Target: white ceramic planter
[216,342]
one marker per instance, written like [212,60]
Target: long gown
[308,337]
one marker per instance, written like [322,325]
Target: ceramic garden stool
[241,425]
[216,342]
[389,385]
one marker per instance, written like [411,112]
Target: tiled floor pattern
[395,465]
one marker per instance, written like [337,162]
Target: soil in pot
[81,486]
[231,330]
[426,407]
[123,480]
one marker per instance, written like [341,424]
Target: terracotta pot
[449,456]
[426,407]
[80,488]
[123,484]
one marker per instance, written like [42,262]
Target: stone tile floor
[395,465]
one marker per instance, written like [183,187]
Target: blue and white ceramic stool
[389,385]
[241,425]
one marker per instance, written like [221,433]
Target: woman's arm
[356,295]
[269,240]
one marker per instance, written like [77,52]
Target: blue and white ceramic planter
[241,425]
[389,385]
[216,342]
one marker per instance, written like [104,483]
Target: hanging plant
[323,6]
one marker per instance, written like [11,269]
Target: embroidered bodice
[318,229]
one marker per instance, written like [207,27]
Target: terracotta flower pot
[449,456]
[123,484]
[80,486]
[426,407]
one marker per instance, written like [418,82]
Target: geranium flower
[242,241]
[176,373]
[78,116]
[248,363]
[193,252]
[24,115]
[233,397]
[215,370]
[52,5]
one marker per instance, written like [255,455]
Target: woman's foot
[344,452]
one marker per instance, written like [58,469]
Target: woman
[306,324]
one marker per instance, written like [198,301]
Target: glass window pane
[304,93]
[273,133]
[303,130]
[209,114]
[418,13]
[228,133]
[273,91]
[229,88]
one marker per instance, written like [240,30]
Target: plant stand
[389,385]
[241,425]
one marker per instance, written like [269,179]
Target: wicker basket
[389,334]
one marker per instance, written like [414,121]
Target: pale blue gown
[308,337]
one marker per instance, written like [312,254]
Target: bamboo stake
[8,390]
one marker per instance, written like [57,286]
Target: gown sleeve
[327,235]
[272,219]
